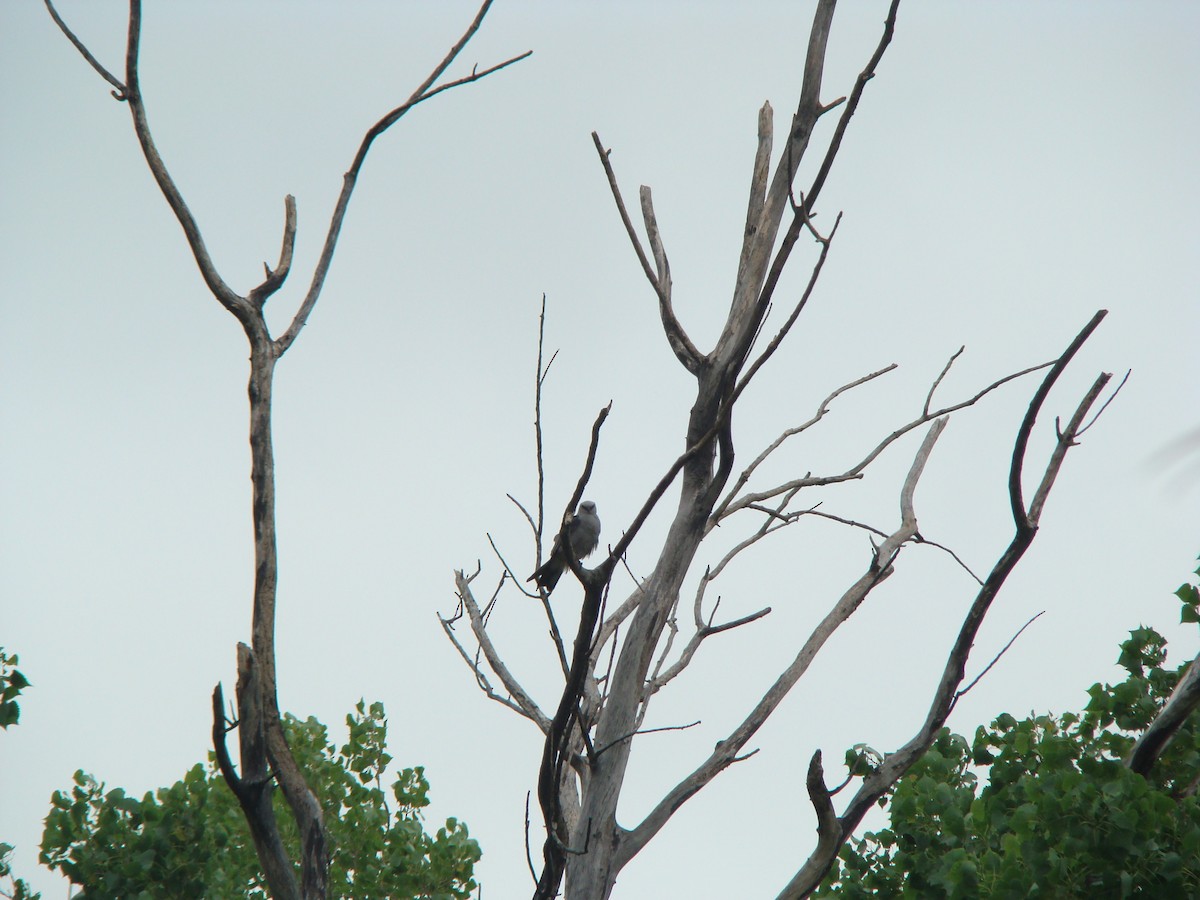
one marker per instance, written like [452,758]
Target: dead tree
[265,756]
[625,652]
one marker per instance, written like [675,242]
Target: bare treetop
[626,651]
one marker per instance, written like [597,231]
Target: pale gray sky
[1013,168]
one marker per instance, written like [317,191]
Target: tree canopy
[1046,805]
[190,839]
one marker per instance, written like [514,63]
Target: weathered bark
[608,687]
[255,786]
[591,874]
[265,755]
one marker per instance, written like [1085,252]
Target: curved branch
[856,470]
[226,296]
[726,752]
[822,411]
[422,94]
[877,783]
[1180,705]
[682,346]
[276,277]
[525,704]
[1021,516]
[119,93]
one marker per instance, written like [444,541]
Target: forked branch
[877,783]
[521,701]
[423,93]
[263,740]
[799,217]
[749,499]
[659,275]
[726,752]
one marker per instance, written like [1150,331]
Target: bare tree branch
[962,692]
[555,753]
[527,706]
[276,277]
[119,93]
[750,300]
[681,344]
[263,739]
[703,630]
[828,833]
[726,751]
[601,750]
[1179,706]
[937,381]
[822,410]
[481,678]
[758,183]
[1016,497]
[422,94]
[768,285]
[1104,405]
[539,379]
[795,314]
[239,306]
[856,470]
[662,266]
[876,784]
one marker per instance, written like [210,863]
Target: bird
[584,532]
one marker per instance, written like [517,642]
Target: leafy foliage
[190,840]
[18,888]
[1189,596]
[12,682]
[1060,815]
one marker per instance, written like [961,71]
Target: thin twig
[855,471]
[480,678]
[528,518]
[626,737]
[508,569]
[625,220]
[737,623]
[822,411]
[120,93]
[962,692]
[537,430]
[1104,406]
[945,369]
[424,93]
[826,243]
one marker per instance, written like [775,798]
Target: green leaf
[190,839]
[1052,812]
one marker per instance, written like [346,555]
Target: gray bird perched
[584,532]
